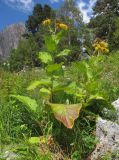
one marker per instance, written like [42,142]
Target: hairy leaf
[45,57]
[44,82]
[83,69]
[71,88]
[65,52]
[57,36]
[50,43]
[45,91]
[66,113]
[88,71]
[98,99]
[31,103]
[54,68]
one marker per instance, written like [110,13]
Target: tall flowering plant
[56,84]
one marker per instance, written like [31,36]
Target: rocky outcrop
[116,106]
[107,133]
[9,38]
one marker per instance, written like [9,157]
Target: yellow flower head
[105,50]
[47,22]
[57,24]
[62,26]
[101,46]
[104,44]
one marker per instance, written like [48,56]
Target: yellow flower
[96,48]
[104,44]
[62,26]
[46,22]
[106,50]
[101,46]
[94,45]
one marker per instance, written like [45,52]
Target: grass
[17,124]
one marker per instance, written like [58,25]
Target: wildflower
[57,25]
[105,50]
[101,46]
[62,26]
[104,44]
[46,22]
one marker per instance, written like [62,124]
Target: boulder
[107,133]
[116,106]
[8,155]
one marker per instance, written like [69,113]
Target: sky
[14,11]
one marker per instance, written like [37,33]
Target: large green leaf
[31,103]
[79,67]
[65,52]
[83,69]
[97,104]
[35,84]
[96,97]
[93,99]
[54,68]
[45,93]
[50,43]
[45,90]
[88,71]
[66,113]
[57,37]
[45,57]
[71,88]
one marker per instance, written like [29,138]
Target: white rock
[116,104]
[107,133]
[10,155]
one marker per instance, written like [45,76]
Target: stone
[8,155]
[116,106]
[9,38]
[107,133]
